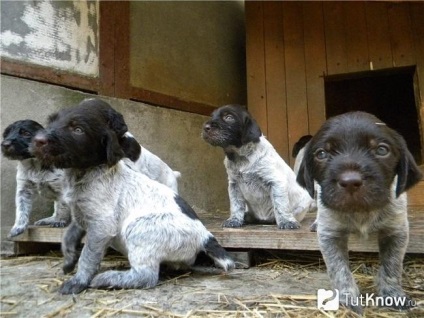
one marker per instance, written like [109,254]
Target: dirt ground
[278,285]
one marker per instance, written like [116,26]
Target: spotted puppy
[115,205]
[261,185]
[32,177]
[362,169]
[148,163]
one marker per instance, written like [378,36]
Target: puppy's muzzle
[40,141]
[6,145]
[350,181]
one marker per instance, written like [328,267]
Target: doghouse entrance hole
[388,94]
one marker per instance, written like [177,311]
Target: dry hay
[115,303]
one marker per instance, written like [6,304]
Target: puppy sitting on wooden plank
[362,168]
[261,185]
[117,206]
[32,177]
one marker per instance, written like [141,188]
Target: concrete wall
[172,135]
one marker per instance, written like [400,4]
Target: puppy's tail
[219,255]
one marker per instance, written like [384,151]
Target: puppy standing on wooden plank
[362,169]
[117,206]
[32,177]
[261,185]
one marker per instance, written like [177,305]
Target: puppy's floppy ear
[116,122]
[114,152]
[408,173]
[131,147]
[250,131]
[304,176]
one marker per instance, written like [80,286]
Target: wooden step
[264,236]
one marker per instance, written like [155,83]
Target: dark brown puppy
[362,168]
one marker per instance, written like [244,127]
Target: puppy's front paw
[15,231]
[232,223]
[51,221]
[59,224]
[289,225]
[72,286]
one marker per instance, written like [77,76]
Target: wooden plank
[416,11]
[297,108]
[122,49]
[335,37]
[172,102]
[401,34]
[379,46]
[315,63]
[48,75]
[275,78]
[107,45]
[356,36]
[255,60]
[264,236]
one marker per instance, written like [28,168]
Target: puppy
[115,205]
[32,177]
[261,185]
[148,163]
[362,169]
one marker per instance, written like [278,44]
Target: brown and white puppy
[260,184]
[362,169]
[115,205]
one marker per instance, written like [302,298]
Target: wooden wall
[292,45]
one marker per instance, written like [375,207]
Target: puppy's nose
[207,127]
[6,144]
[350,180]
[40,140]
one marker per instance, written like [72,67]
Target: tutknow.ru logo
[330,299]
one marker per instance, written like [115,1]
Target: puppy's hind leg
[219,255]
[71,241]
[89,262]
[389,282]
[144,255]
[139,276]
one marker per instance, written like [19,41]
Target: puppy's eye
[321,154]
[26,133]
[228,118]
[78,130]
[382,150]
